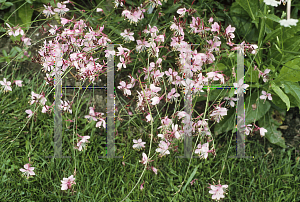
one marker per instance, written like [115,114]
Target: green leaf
[273,17]
[261,108]
[25,14]
[281,94]
[221,67]
[273,135]
[4,53]
[293,89]
[290,71]
[242,22]
[8,4]
[251,7]
[190,178]
[286,175]
[172,8]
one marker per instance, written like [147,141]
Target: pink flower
[154,170]
[121,63]
[240,86]
[19,31]
[265,95]
[46,108]
[28,111]
[139,144]
[217,191]
[67,183]
[11,31]
[218,113]
[149,118]
[144,159]
[210,20]
[253,47]
[26,41]
[163,148]
[101,122]
[65,106]
[127,36]
[99,10]
[6,85]
[61,9]
[175,131]
[37,98]
[248,129]
[28,170]
[154,89]
[231,100]
[82,143]
[262,131]
[65,21]
[215,27]
[48,11]
[264,75]
[172,95]
[181,11]
[125,88]
[92,114]
[142,185]
[193,181]
[229,31]
[203,150]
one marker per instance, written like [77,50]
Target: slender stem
[288,9]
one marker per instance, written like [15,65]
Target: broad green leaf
[290,71]
[281,94]
[292,43]
[261,108]
[25,14]
[8,4]
[293,89]
[278,102]
[251,7]
[273,135]
[242,22]
[221,67]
